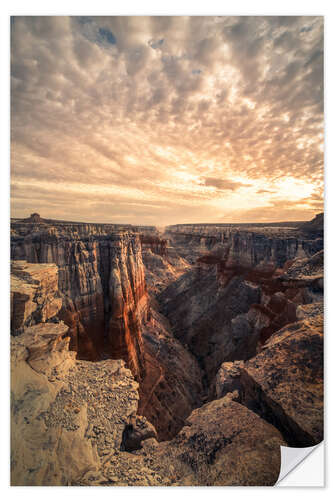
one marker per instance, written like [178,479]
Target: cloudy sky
[165,120]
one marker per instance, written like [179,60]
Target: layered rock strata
[162,263]
[239,293]
[246,245]
[34,294]
[101,281]
[170,379]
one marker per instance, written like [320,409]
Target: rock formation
[34,294]
[222,444]
[162,263]
[284,382]
[314,226]
[241,288]
[73,423]
[247,245]
[106,306]
[172,386]
[141,358]
[65,414]
[101,281]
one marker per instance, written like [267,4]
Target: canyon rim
[166,297]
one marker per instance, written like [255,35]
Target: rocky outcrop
[153,241]
[301,283]
[34,294]
[162,263]
[284,382]
[161,271]
[137,430]
[35,218]
[314,226]
[222,444]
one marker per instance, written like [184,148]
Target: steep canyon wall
[239,288]
[105,303]
[101,281]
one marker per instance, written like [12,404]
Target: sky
[166,120]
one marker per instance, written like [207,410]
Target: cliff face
[242,286]
[162,263]
[34,294]
[283,382]
[105,304]
[125,297]
[101,281]
[245,246]
[172,385]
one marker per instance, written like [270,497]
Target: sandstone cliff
[101,281]
[162,263]
[105,304]
[246,245]
[172,386]
[241,288]
[34,294]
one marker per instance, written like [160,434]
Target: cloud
[263,191]
[145,110]
[224,184]
[107,35]
[156,44]
[305,29]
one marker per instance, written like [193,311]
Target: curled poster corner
[292,457]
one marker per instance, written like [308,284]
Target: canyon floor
[182,357]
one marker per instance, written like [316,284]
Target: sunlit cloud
[163,120]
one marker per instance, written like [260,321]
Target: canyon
[150,358]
